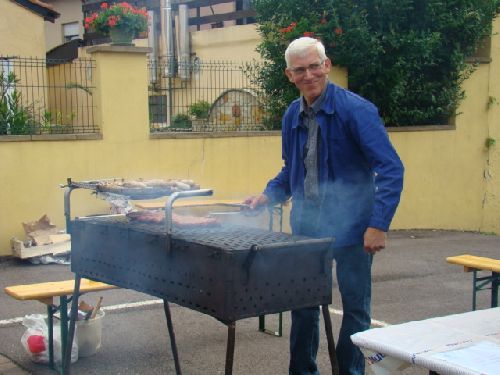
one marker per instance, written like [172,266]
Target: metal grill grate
[225,237]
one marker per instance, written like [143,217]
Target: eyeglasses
[313,68]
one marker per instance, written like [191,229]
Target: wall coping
[420,128]
[191,135]
[180,135]
[119,49]
[50,137]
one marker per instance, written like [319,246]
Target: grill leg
[330,340]
[231,329]
[172,337]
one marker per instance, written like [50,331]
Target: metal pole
[330,340]
[171,333]
[231,337]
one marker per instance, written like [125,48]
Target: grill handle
[280,245]
[174,197]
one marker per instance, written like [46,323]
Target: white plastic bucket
[89,333]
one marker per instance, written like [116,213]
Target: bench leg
[72,323]
[495,282]
[487,282]
[63,313]
[262,325]
[50,324]
[474,290]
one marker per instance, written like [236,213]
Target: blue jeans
[353,268]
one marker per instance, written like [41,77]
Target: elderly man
[345,180]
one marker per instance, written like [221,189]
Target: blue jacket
[360,173]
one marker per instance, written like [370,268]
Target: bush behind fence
[39,96]
[204,96]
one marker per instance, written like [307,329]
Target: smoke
[344,207]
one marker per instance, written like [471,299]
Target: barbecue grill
[228,272]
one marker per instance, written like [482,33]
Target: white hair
[301,46]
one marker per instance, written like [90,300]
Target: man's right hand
[256,201]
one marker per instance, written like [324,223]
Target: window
[70,31]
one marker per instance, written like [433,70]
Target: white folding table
[460,344]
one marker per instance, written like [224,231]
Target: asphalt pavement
[411,281]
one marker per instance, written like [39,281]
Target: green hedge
[408,57]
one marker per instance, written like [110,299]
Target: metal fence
[202,96]
[39,96]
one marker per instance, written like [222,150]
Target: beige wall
[491,216]
[444,184]
[21,31]
[239,43]
[70,11]
[451,178]
[212,45]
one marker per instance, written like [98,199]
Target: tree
[406,56]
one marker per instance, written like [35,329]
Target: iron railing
[39,96]
[206,96]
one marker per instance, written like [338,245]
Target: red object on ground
[36,344]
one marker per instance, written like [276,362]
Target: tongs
[244,209]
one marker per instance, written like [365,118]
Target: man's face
[309,74]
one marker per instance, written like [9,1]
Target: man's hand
[374,240]
[256,201]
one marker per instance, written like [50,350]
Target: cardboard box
[21,251]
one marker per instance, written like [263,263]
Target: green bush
[406,56]
[181,121]
[15,118]
[200,109]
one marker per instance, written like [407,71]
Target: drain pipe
[152,43]
[168,37]
[168,45]
[184,53]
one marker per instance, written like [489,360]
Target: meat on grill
[147,216]
[182,221]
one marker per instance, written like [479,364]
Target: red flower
[112,20]
[310,34]
[288,28]
[104,6]
[338,31]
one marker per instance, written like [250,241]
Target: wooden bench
[45,293]
[476,264]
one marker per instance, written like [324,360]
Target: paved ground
[411,281]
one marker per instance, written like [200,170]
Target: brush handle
[96,308]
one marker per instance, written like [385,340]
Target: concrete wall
[21,31]
[451,177]
[491,200]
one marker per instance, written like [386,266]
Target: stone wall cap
[120,49]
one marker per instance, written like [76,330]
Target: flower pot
[121,37]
